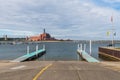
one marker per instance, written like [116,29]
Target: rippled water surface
[54,50]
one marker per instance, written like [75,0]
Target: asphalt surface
[59,70]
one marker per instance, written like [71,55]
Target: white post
[90,47]
[28,49]
[84,47]
[36,47]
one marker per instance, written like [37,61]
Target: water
[61,51]
[54,50]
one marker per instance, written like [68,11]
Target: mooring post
[28,49]
[36,47]
[90,47]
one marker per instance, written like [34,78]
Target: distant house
[42,37]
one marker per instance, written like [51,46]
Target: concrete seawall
[109,53]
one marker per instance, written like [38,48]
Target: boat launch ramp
[57,70]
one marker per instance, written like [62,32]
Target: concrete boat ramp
[57,70]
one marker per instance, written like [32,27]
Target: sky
[63,19]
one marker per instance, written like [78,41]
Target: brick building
[42,37]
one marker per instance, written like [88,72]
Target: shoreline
[31,41]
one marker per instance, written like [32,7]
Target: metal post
[113,29]
[28,49]
[90,47]
[112,37]
[36,47]
[84,47]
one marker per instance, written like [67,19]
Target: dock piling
[28,49]
[36,49]
[90,47]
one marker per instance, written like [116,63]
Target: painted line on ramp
[40,73]
[18,67]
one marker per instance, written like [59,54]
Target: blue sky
[63,19]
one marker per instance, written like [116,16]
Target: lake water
[54,50]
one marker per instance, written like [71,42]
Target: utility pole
[113,30]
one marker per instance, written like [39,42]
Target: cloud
[72,19]
[112,1]
[15,33]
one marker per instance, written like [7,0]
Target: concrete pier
[58,70]
[109,53]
